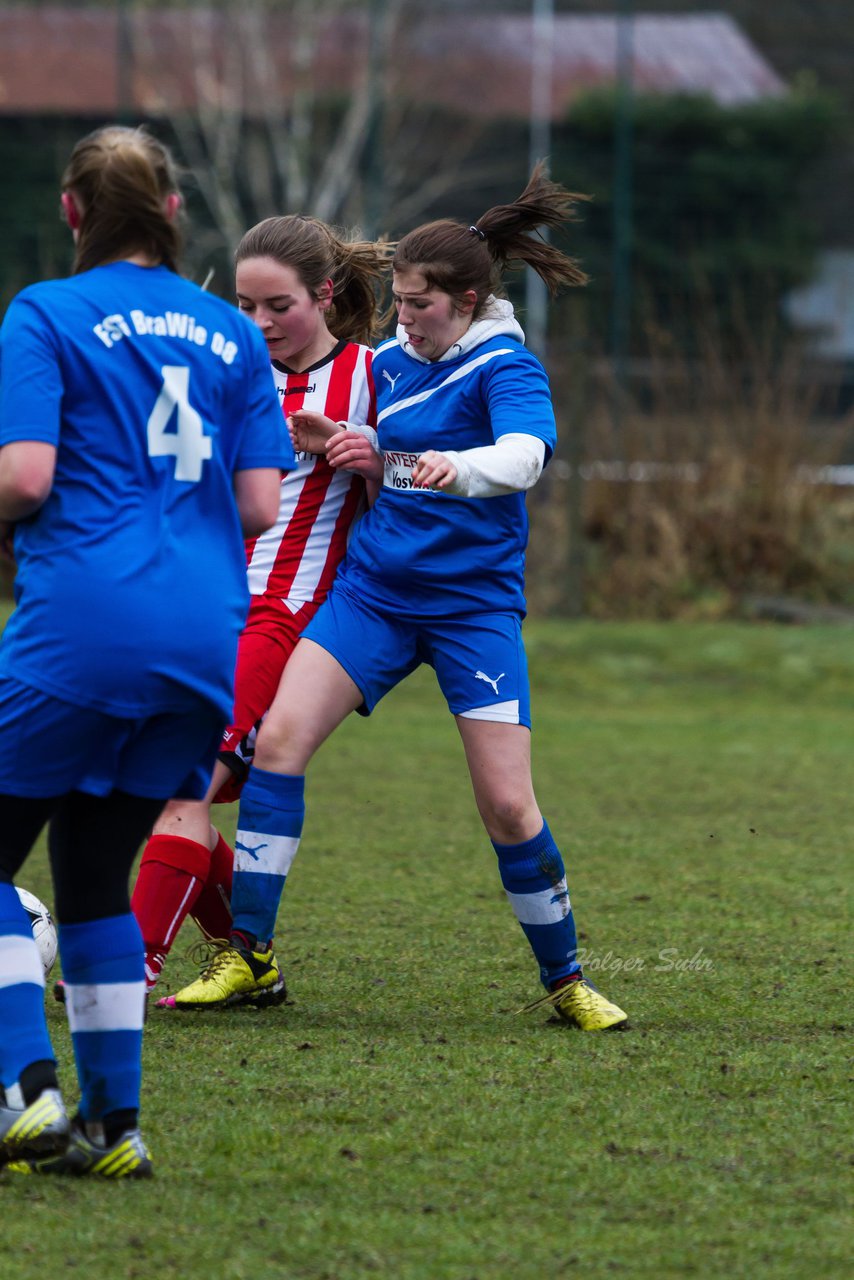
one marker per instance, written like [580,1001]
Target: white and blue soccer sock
[534,879]
[104,971]
[23,1029]
[269,826]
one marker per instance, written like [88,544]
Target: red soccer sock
[171,875]
[212,910]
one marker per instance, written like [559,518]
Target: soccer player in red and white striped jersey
[314,296]
[296,560]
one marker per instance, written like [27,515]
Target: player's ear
[466,302]
[173,204]
[324,294]
[70,210]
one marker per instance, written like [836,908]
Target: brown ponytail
[458,258]
[121,178]
[317,253]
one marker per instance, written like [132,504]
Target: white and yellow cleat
[579,1003]
[127,1157]
[232,976]
[40,1129]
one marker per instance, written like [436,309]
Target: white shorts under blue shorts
[479,660]
[49,748]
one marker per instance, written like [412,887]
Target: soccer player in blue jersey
[435,574]
[140,440]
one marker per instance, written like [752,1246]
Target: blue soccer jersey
[131,586]
[425,554]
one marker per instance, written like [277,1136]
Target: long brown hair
[318,253]
[121,178]
[455,257]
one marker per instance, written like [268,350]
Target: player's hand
[433,471]
[310,431]
[351,451]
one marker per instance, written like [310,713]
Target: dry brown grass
[724,503]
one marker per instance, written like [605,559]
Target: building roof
[101,61]
[684,53]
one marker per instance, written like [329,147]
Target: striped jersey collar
[318,364]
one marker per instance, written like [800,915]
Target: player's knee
[175,817]
[510,818]
[278,748]
[282,758]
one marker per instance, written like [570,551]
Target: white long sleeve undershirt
[511,465]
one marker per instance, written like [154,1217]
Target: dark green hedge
[719,197]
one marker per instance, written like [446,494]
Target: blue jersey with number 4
[131,584]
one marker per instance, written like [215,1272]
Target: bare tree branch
[268,132]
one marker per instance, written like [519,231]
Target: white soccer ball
[44,930]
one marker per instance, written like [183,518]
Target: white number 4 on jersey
[188,444]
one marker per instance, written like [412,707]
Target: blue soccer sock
[269,826]
[104,972]
[24,1038]
[535,882]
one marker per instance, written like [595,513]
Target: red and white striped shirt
[296,560]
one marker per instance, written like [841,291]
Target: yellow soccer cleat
[579,1003]
[232,976]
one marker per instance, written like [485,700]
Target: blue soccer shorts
[49,748]
[479,660]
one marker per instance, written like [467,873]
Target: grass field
[399,1119]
